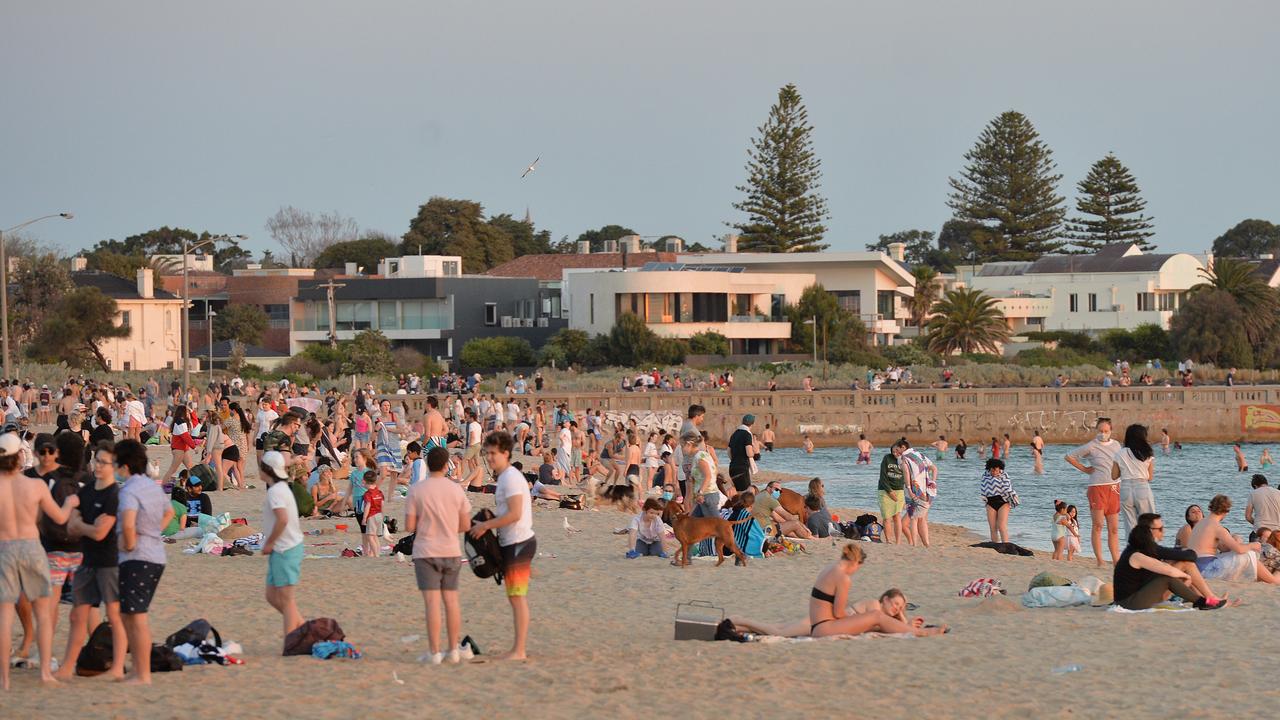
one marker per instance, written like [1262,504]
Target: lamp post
[187,249]
[208,320]
[814,323]
[4,282]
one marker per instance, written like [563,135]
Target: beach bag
[484,555]
[404,545]
[95,658]
[195,633]
[303,498]
[305,636]
[983,587]
[571,502]
[1048,579]
[208,478]
[164,659]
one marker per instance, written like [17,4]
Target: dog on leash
[692,530]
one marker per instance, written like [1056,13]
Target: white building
[1117,287]
[680,300]
[871,285]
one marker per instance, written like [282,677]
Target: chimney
[898,251]
[584,247]
[79,263]
[351,269]
[146,283]
[611,246]
[675,245]
[632,243]
[731,243]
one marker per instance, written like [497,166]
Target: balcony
[743,327]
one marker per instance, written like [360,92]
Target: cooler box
[697,620]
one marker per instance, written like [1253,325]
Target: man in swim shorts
[514,525]
[435,432]
[890,494]
[864,449]
[1219,556]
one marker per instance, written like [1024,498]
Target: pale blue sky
[212,115]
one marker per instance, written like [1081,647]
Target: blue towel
[339,648]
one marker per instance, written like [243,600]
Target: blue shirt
[142,494]
[417,472]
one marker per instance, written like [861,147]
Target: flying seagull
[531,168]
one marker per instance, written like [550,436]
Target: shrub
[913,353]
[497,352]
[709,343]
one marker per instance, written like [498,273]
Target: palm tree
[926,294]
[966,320]
[1258,301]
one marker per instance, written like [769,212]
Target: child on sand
[1073,533]
[646,530]
[371,539]
[283,545]
[1060,531]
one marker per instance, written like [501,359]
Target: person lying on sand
[892,602]
[829,611]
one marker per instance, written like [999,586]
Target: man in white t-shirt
[1103,491]
[136,413]
[514,524]
[1263,509]
[262,423]
[283,544]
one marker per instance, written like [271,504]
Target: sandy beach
[601,641]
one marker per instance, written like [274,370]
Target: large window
[1146,302]
[884,304]
[1168,301]
[355,316]
[850,300]
[388,318]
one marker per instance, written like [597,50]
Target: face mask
[1104,436]
[666,496]
[776,494]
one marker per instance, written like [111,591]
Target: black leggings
[1153,592]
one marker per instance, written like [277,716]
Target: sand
[601,641]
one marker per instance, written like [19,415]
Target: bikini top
[825,597]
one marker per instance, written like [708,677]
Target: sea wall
[1196,414]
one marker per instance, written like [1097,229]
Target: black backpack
[95,658]
[483,553]
[195,633]
[404,545]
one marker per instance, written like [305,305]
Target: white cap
[274,462]
[10,444]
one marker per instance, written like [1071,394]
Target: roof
[828,258]
[1116,258]
[222,349]
[1266,269]
[550,266]
[114,286]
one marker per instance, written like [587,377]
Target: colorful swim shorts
[517,566]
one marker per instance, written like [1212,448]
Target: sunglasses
[47,451]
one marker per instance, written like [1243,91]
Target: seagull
[569,529]
[531,168]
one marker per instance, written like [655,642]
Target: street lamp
[4,282]
[814,323]
[187,249]
[208,320]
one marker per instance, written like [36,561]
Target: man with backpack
[514,525]
[437,511]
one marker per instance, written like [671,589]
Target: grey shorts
[24,570]
[437,573]
[96,585]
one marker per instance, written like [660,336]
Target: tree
[236,362]
[366,252]
[597,238]
[368,353]
[124,257]
[966,321]
[919,245]
[499,351]
[1257,301]
[926,294]
[1009,186]
[569,347]
[74,331]
[709,342]
[840,335]
[445,226]
[36,288]
[304,235]
[956,244]
[524,239]
[269,261]
[784,211]
[1248,239]
[1209,327]
[1111,208]
[243,323]
[631,342]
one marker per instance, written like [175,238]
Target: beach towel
[868,635]
[1005,548]
[1056,596]
[1167,606]
[983,587]
[335,648]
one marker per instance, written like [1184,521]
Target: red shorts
[1104,499]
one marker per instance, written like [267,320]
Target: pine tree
[1009,186]
[784,211]
[1111,208]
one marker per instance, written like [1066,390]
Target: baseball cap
[44,440]
[748,419]
[10,444]
[274,461]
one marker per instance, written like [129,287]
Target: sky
[211,116]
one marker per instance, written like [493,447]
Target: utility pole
[329,287]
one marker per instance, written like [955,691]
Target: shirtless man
[767,437]
[1037,451]
[864,449]
[66,404]
[939,446]
[24,569]
[1242,465]
[575,455]
[1219,555]
[434,430]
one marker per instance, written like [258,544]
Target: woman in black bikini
[829,600]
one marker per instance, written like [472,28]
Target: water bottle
[1067,669]
[749,637]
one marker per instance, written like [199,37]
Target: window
[168,365]
[388,319]
[884,304]
[1039,321]
[1074,301]
[124,318]
[491,313]
[1093,302]
[1146,302]
[277,315]
[850,300]
[450,268]
[1168,301]
[168,321]
[128,366]
[591,308]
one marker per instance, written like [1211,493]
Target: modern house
[1117,287]
[871,285]
[680,300]
[271,289]
[152,316]
[424,302]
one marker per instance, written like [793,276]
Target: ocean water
[1193,474]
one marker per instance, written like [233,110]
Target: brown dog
[793,502]
[691,530]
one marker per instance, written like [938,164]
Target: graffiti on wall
[647,421]
[829,429]
[1260,418]
[1054,422]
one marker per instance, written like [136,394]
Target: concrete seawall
[1196,414]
